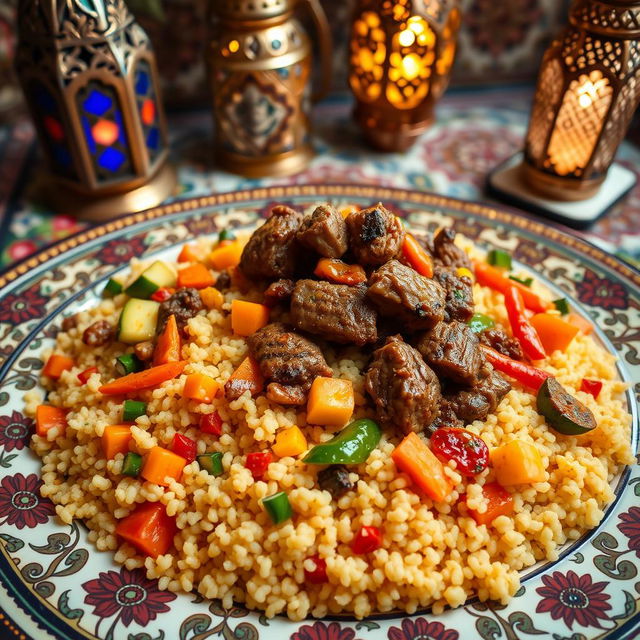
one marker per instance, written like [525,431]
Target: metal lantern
[90,79]
[588,90]
[401,54]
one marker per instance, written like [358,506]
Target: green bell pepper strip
[278,507]
[211,462]
[479,322]
[132,464]
[499,258]
[132,409]
[226,234]
[527,282]
[562,305]
[351,446]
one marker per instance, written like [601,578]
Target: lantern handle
[324,33]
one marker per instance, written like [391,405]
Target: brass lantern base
[558,188]
[63,198]
[279,164]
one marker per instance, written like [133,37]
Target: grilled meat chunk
[497,339]
[324,232]
[402,293]
[375,235]
[278,291]
[404,390]
[336,312]
[447,253]
[183,304]
[271,251]
[459,294]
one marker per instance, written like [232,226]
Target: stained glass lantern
[89,76]
[401,54]
[588,89]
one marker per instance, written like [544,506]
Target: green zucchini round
[563,412]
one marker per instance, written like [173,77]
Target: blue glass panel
[61,155]
[88,135]
[111,159]
[142,83]
[153,139]
[122,138]
[97,103]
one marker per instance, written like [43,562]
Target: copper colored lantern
[401,54]
[90,79]
[588,89]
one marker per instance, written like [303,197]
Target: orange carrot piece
[147,379]
[201,387]
[340,272]
[226,255]
[246,377]
[196,276]
[149,529]
[48,417]
[582,323]
[212,298]
[115,439]
[188,253]
[499,503]
[248,317]
[56,364]
[169,345]
[416,256]
[414,457]
[554,332]
[162,463]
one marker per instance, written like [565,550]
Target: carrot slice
[148,528]
[248,317]
[582,323]
[115,439]
[499,503]
[148,379]
[48,417]
[246,377]
[188,253]
[340,272]
[56,364]
[225,256]
[414,457]
[554,332]
[168,346]
[161,464]
[201,387]
[416,256]
[196,276]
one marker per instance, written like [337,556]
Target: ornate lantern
[90,79]
[401,56]
[588,90]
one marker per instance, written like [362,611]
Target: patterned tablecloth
[475,130]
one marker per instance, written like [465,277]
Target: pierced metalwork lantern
[588,89]
[89,76]
[401,54]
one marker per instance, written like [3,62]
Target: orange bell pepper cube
[248,317]
[499,503]
[200,387]
[554,332]
[416,256]
[247,377]
[48,417]
[188,253]
[168,346]
[331,401]
[196,276]
[148,379]
[413,457]
[115,439]
[582,323]
[212,298]
[56,364]
[340,272]
[149,529]
[226,255]
[161,464]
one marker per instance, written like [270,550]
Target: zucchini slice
[113,287]
[563,412]
[138,321]
[156,276]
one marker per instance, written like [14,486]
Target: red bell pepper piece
[367,539]
[185,447]
[522,329]
[526,374]
[319,574]
[162,294]
[211,423]
[257,462]
[149,529]
[594,387]
[499,503]
[84,376]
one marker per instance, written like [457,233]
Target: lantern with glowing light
[588,89]
[401,54]
[90,79]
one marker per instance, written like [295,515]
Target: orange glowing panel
[148,111]
[105,132]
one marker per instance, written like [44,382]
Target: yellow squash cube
[518,462]
[290,442]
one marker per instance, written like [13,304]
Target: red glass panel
[54,128]
[148,111]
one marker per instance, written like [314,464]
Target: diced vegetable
[413,457]
[335,480]
[196,276]
[48,417]
[189,253]
[290,442]
[200,387]
[335,270]
[248,317]
[115,439]
[162,294]
[499,258]
[84,376]
[148,379]
[527,282]
[469,451]
[132,464]
[594,387]
[352,445]
[55,366]
[479,322]
[226,256]
[331,401]
[158,275]
[525,374]
[499,503]
[168,346]
[521,328]
[518,462]
[463,272]
[416,256]
[555,333]
[128,363]
[113,287]
[278,507]
[367,540]
[149,529]
[184,447]
[138,321]
[563,412]
[317,574]
[226,235]
[582,323]
[257,462]
[211,462]
[212,298]
[211,423]
[246,377]
[133,409]
[562,305]
[161,464]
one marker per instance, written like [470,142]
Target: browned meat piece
[278,291]
[497,339]
[183,304]
[70,322]
[324,232]
[271,251]
[375,235]
[404,390]
[224,281]
[453,350]
[459,294]
[97,334]
[446,418]
[400,292]
[289,360]
[337,312]
[447,253]
[144,350]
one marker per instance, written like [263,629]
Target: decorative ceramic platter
[53,582]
